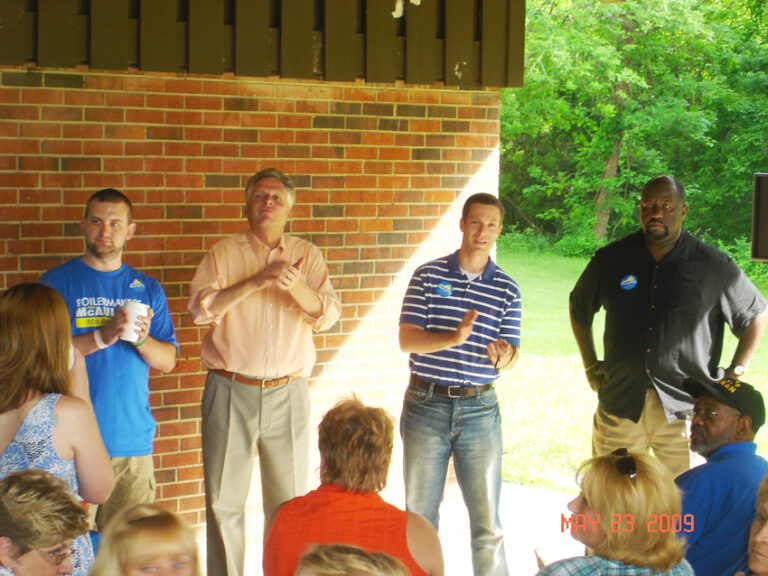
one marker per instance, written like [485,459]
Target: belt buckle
[450,393]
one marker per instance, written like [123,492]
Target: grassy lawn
[547,405]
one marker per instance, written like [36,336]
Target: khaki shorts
[134,484]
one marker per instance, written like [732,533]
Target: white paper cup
[134,310]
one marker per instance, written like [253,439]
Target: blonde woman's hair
[38,511]
[346,560]
[35,344]
[355,444]
[620,498]
[140,533]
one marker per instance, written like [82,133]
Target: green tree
[618,93]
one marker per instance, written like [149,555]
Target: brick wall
[381,172]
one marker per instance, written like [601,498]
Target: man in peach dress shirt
[263,292]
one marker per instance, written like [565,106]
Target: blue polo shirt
[721,496]
[437,298]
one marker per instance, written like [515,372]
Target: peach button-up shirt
[266,335]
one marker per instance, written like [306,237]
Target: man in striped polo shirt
[460,322]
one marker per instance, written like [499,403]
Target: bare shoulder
[424,544]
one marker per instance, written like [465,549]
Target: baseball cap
[734,393]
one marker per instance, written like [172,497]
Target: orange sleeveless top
[331,514]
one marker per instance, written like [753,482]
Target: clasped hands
[500,352]
[284,275]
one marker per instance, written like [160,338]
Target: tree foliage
[618,93]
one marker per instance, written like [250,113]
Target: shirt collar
[487,273]
[728,450]
[258,245]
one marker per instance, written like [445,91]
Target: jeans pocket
[416,395]
[488,398]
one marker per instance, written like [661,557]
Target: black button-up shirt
[664,320]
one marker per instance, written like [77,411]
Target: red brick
[39,130]
[125,100]
[202,134]
[163,164]
[63,114]
[103,148]
[142,149]
[63,246]
[185,86]
[18,180]
[7,163]
[221,119]
[183,149]
[104,115]
[105,180]
[20,112]
[44,163]
[124,132]
[77,131]
[10,95]
[141,116]
[144,180]
[19,146]
[59,147]
[313,137]
[203,103]
[276,136]
[169,101]
[184,181]
[361,153]
[361,211]
[42,96]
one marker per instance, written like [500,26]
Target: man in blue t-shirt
[719,497]
[460,322]
[96,287]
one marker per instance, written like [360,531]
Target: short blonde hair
[612,493]
[346,560]
[35,342]
[355,444]
[38,511]
[147,529]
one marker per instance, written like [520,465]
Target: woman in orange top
[355,444]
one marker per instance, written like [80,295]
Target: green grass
[547,405]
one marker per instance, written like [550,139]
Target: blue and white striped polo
[437,298]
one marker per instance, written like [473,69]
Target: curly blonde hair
[355,444]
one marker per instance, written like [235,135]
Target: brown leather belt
[264,382]
[450,391]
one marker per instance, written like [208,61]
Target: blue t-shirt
[118,375]
[437,298]
[721,496]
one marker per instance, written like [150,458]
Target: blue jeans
[433,427]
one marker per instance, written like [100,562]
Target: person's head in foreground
[146,539]
[35,343]
[725,412]
[39,518]
[355,444]
[626,491]
[345,560]
[758,534]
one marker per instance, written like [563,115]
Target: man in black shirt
[667,297]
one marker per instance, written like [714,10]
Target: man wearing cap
[719,496]
[667,298]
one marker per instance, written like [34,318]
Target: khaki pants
[238,419]
[134,484]
[669,441]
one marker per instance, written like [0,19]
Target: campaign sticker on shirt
[137,285]
[444,289]
[628,282]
